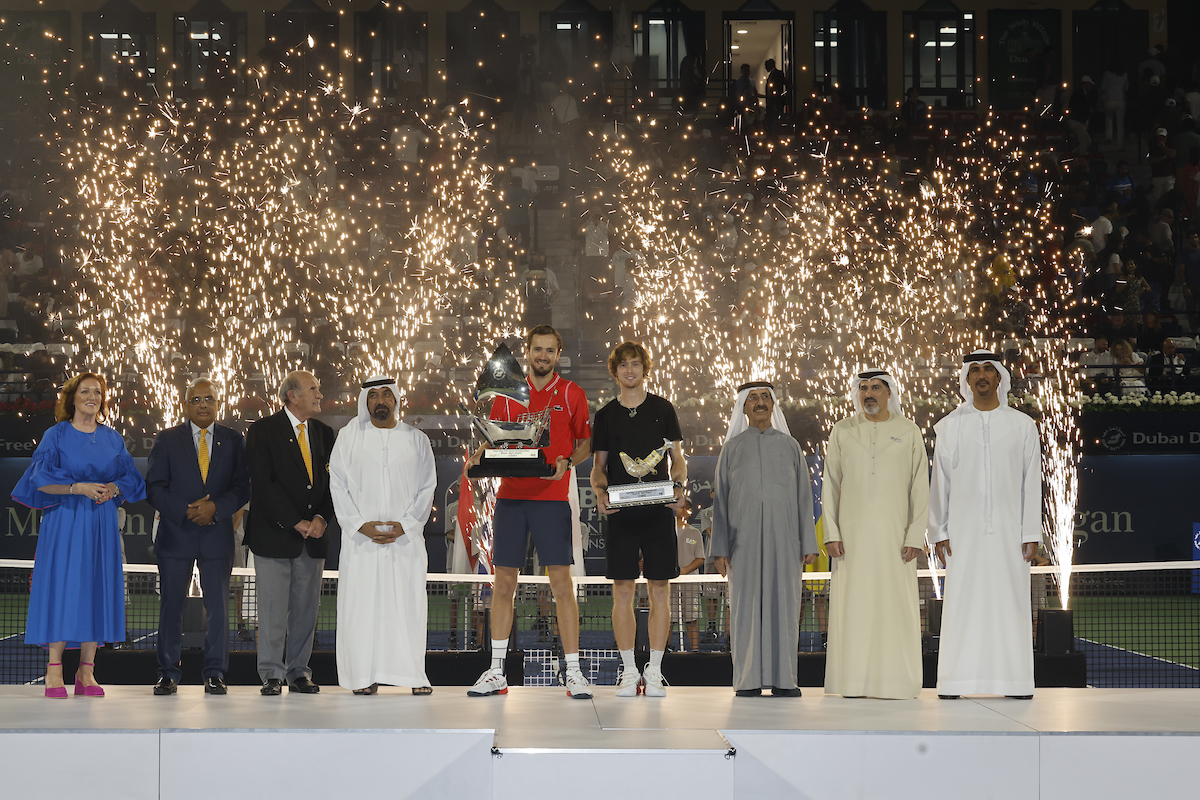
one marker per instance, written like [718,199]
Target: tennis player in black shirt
[638,425]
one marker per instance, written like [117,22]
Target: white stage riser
[455,764]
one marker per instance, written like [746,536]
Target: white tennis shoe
[577,685]
[630,683]
[489,683]
[656,684]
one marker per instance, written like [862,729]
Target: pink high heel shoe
[57,692]
[86,691]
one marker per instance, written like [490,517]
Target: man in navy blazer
[197,480]
[290,508]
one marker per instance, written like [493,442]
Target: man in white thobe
[763,535]
[875,496]
[985,520]
[383,479]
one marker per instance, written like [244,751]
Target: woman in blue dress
[80,473]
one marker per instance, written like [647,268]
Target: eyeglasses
[196,401]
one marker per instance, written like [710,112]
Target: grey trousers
[289,598]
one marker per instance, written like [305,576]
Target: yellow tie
[203,457]
[304,451]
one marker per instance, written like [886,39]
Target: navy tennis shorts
[548,522]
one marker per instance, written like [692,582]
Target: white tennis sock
[656,659]
[572,660]
[499,650]
[627,660]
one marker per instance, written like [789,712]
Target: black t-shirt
[616,432]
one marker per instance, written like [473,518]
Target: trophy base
[511,463]
[641,494]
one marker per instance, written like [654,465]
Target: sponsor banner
[1136,508]
[1115,433]
[1023,46]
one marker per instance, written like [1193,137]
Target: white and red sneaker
[489,683]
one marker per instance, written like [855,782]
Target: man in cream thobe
[382,478]
[985,519]
[763,535]
[875,495]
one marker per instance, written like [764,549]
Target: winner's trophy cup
[642,494]
[513,447]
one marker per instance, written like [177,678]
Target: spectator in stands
[541,289]
[778,96]
[1157,266]
[1079,112]
[1129,366]
[1185,140]
[686,603]
[1189,274]
[1152,335]
[1121,184]
[1103,226]
[1166,368]
[1191,99]
[1130,288]
[595,236]
[1114,86]
[1162,165]
[1187,181]
[914,113]
[1097,363]
[517,203]
[746,96]
[1117,326]
[1109,262]
[1162,231]
[1151,67]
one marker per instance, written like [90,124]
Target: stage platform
[698,742]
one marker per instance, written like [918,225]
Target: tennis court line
[1137,653]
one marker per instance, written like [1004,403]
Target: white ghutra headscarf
[872,373]
[737,417]
[984,357]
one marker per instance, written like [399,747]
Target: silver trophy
[513,447]
[642,494]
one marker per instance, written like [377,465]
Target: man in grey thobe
[763,535]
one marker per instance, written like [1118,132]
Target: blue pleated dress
[78,592]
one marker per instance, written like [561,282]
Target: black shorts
[641,533]
[547,522]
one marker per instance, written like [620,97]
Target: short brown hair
[64,409]
[625,351]
[543,330]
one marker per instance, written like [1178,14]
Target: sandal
[422,690]
[372,689]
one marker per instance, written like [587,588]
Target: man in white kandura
[763,535]
[985,520]
[383,479]
[875,495]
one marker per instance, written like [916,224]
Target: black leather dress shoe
[165,686]
[215,686]
[948,696]
[271,687]
[304,686]
[747,692]
[778,692]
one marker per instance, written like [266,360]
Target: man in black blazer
[197,480]
[290,506]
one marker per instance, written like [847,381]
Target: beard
[539,371]
[871,406]
[381,412]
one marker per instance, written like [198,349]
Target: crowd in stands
[1120,161]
